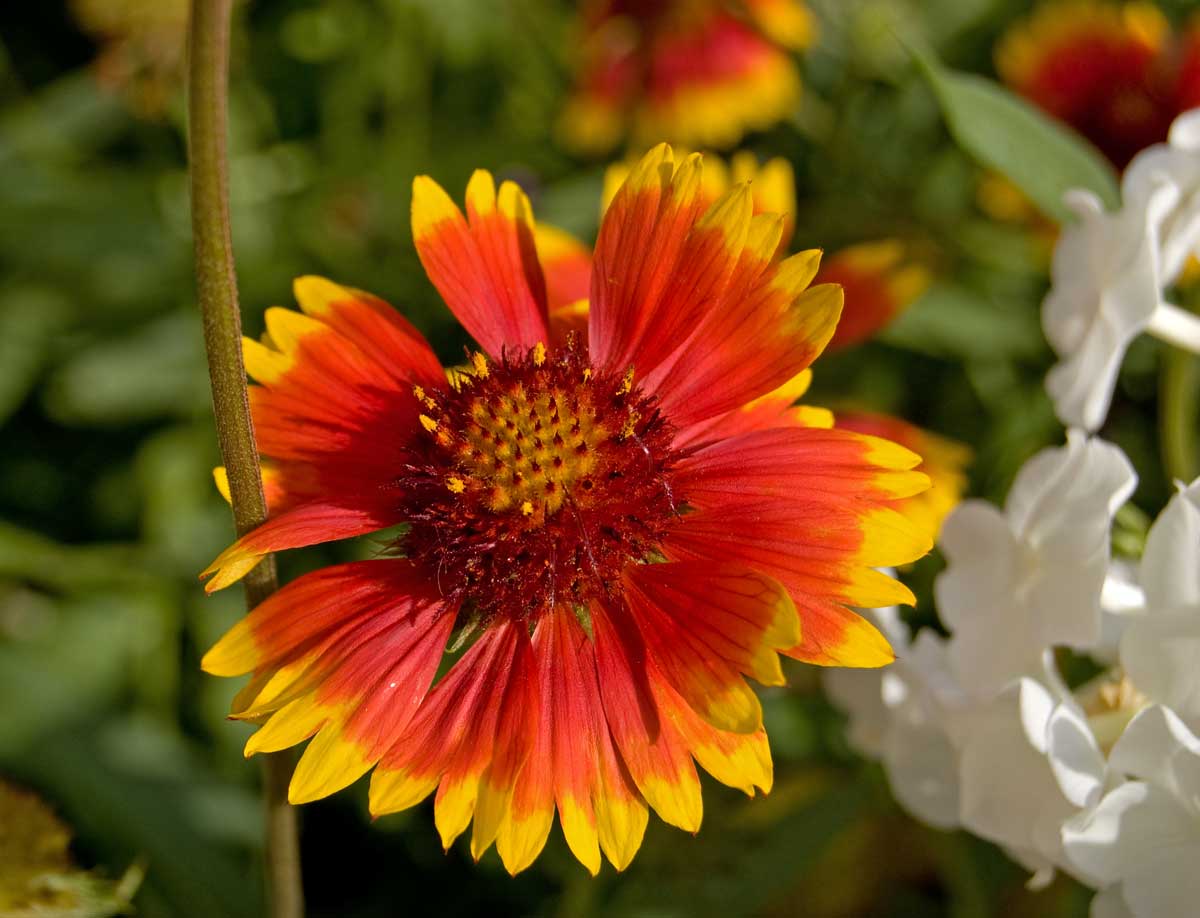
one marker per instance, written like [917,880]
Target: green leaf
[1037,154]
[954,321]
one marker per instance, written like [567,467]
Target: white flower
[1145,834]
[904,715]
[1106,288]
[1030,578]
[1010,791]
[1160,649]
[1177,162]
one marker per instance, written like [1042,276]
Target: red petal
[374,327]
[653,751]
[573,763]
[770,326]
[306,524]
[642,238]
[794,463]
[708,625]
[333,417]
[348,651]
[485,269]
[452,739]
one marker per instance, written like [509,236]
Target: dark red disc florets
[539,480]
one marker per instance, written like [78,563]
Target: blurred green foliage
[105,489]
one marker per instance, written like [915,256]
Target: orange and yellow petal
[453,740]
[708,626]
[767,328]
[641,239]
[709,85]
[655,754]
[814,509]
[777,408]
[942,459]
[878,280]
[573,765]
[310,523]
[343,655]
[772,184]
[485,266]
[709,321]
[333,400]
[741,760]
[567,265]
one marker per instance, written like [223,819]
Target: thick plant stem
[1179,411]
[216,290]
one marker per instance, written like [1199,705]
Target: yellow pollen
[427,422]
[424,399]
[539,354]
[455,484]
[630,424]
[626,383]
[479,362]
[587,374]
[527,508]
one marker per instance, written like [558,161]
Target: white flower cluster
[1110,269]
[981,729]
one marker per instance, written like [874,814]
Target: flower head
[698,72]
[1114,72]
[618,525]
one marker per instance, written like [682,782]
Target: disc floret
[542,478]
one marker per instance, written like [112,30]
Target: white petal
[978,544]
[1075,757]
[1106,284]
[1140,836]
[1110,903]
[1009,793]
[1159,748]
[1185,131]
[1166,887]
[857,693]
[1170,574]
[922,768]
[1161,654]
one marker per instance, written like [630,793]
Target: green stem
[1179,409]
[216,290]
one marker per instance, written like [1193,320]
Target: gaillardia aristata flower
[618,526]
[1113,71]
[697,72]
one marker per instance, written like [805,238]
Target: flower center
[540,479]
